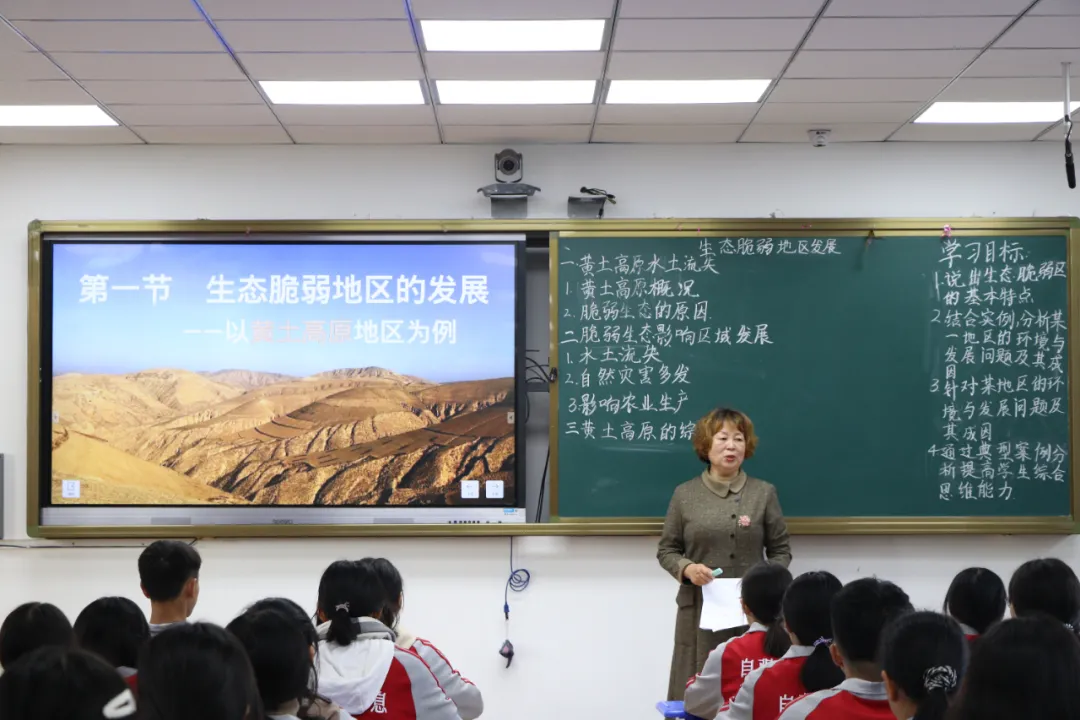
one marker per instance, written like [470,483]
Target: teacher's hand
[698,574]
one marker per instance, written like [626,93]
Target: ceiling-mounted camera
[508,166]
[508,194]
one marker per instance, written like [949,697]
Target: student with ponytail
[727,666]
[924,656]
[807,665]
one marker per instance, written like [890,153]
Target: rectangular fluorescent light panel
[352,92]
[512,35]
[995,112]
[54,116]
[685,92]
[516,92]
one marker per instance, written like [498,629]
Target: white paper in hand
[721,606]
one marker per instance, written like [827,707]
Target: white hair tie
[121,706]
[823,641]
[342,606]
[941,677]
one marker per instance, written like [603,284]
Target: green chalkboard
[889,377]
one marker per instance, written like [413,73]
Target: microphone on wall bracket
[1070,170]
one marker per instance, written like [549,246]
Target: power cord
[518,581]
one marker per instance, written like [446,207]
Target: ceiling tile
[293,115]
[178,92]
[840,133]
[170,115]
[517,133]
[42,92]
[318,35]
[1043,32]
[214,134]
[333,66]
[149,66]
[67,135]
[746,64]
[879,63]
[836,90]
[1056,7]
[10,42]
[512,9]
[305,9]
[27,66]
[99,10]
[925,8]
[963,133]
[904,33]
[1025,63]
[516,114]
[718,8]
[1004,89]
[515,66]
[677,114]
[685,35]
[697,134]
[371,134]
[129,36]
[830,114]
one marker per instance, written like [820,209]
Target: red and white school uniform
[467,697]
[724,672]
[768,690]
[850,700]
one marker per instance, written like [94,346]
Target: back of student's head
[166,567]
[763,587]
[1046,586]
[349,589]
[31,626]
[197,670]
[393,588]
[807,614]
[1022,668]
[280,656]
[114,628]
[924,656]
[977,599]
[292,610]
[860,612]
[63,683]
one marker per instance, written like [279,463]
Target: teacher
[720,519]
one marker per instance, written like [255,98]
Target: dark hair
[762,589]
[1046,586]
[1025,667]
[280,656]
[976,598]
[165,567]
[925,655]
[349,589]
[31,626]
[807,604]
[114,628]
[292,610]
[860,612]
[62,683]
[393,589]
[197,670]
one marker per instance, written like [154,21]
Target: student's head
[1046,586]
[976,598]
[30,627]
[292,610]
[923,659]
[763,587]
[280,656]
[349,589]
[199,671]
[1023,668]
[113,628]
[169,573]
[860,613]
[393,587]
[62,683]
[807,607]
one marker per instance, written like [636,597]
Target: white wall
[593,631]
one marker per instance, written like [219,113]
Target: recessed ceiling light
[685,92]
[351,92]
[995,112]
[516,92]
[54,116]
[512,35]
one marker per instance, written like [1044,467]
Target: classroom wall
[593,631]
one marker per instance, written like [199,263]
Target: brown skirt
[692,645]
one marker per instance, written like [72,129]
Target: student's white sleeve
[467,697]
[741,706]
[801,708]
[429,700]
[704,694]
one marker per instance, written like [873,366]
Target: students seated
[169,574]
[197,671]
[466,696]
[762,589]
[977,600]
[807,666]
[1047,586]
[359,667]
[1023,668]
[924,656]
[31,626]
[63,683]
[860,613]
[280,657]
[115,629]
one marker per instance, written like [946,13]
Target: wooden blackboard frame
[877,228]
